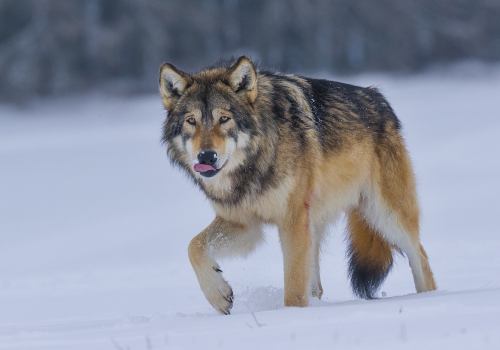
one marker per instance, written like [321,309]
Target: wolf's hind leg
[391,207]
[417,257]
[220,239]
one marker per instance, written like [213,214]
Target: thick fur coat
[295,152]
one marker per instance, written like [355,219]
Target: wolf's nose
[207,157]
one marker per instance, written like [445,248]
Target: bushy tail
[370,257]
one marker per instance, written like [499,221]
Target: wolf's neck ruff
[245,182]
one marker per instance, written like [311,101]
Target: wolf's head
[212,127]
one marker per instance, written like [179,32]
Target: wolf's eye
[224,119]
[191,121]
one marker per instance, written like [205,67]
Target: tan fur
[367,244]
[370,179]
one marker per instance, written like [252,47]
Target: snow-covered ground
[94,228]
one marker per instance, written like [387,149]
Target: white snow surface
[95,224]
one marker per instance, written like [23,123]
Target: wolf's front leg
[220,239]
[315,279]
[296,242]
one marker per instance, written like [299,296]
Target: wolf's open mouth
[206,170]
[202,168]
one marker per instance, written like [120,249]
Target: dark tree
[56,46]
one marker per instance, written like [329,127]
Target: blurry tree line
[54,46]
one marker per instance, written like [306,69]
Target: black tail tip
[366,278]
[366,281]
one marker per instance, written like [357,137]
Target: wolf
[294,152]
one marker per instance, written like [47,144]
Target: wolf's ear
[173,83]
[242,77]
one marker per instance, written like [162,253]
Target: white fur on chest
[270,207]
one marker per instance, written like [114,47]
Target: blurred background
[95,223]
[49,47]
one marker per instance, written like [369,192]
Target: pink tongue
[201,168]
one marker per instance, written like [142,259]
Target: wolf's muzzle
[206,166]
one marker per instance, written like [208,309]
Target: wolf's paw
[219,293]
[317,290]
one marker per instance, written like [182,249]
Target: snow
[95,224]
